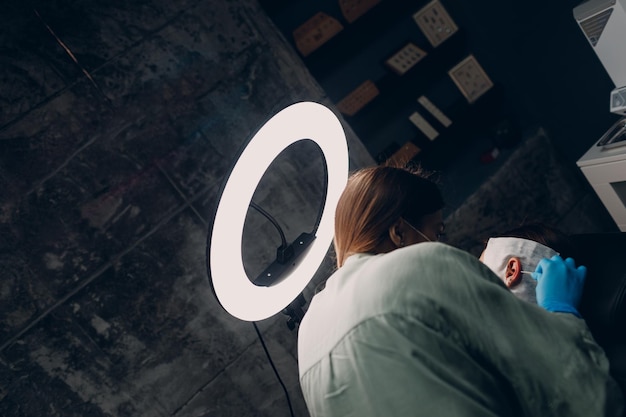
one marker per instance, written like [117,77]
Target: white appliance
[604,166]
[604,24]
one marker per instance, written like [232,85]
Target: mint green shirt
[428,330]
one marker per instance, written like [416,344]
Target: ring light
[234,290]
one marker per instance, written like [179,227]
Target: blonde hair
[373,200]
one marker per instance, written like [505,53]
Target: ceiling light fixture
[231,285]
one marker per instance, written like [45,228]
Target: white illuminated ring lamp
[234,290]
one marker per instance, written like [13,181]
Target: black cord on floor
[274,368]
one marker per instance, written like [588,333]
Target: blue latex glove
[559,284]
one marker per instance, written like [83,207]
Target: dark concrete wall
[118,123]
[534,51]
[551,74]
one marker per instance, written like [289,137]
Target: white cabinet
[604,166]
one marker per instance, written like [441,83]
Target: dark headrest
[603,303]
[616,353]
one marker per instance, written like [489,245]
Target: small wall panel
[434,20]
[422,124]
[470,78]
[315,32]
[403,155]
[358,98]
[435,111]
[353,9]
[405,59]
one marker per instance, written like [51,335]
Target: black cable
[272,220]
[274,368]
[320,211]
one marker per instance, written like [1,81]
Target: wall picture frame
[470,78]
[358,98]
[315,32]
[435,22]
[405,58]
[353,9]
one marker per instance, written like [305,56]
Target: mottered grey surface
[119,122]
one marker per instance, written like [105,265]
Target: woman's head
[379,207]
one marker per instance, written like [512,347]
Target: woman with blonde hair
[384,208]
[408,326]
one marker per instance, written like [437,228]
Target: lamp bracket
[285,260]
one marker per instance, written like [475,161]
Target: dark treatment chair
[603,303]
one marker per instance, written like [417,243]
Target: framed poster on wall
[403,60]
[353,9]
[315,32]
[470,78]
[358,98]
[435,22]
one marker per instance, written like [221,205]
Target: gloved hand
[559,284]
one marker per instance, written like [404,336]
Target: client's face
[513,260]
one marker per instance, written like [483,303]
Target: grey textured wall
[118,123]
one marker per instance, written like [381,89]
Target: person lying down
[515,255]
[514,260]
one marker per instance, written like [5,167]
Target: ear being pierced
[513,273]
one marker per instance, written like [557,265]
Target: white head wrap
[500,249]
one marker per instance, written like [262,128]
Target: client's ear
[513,273]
